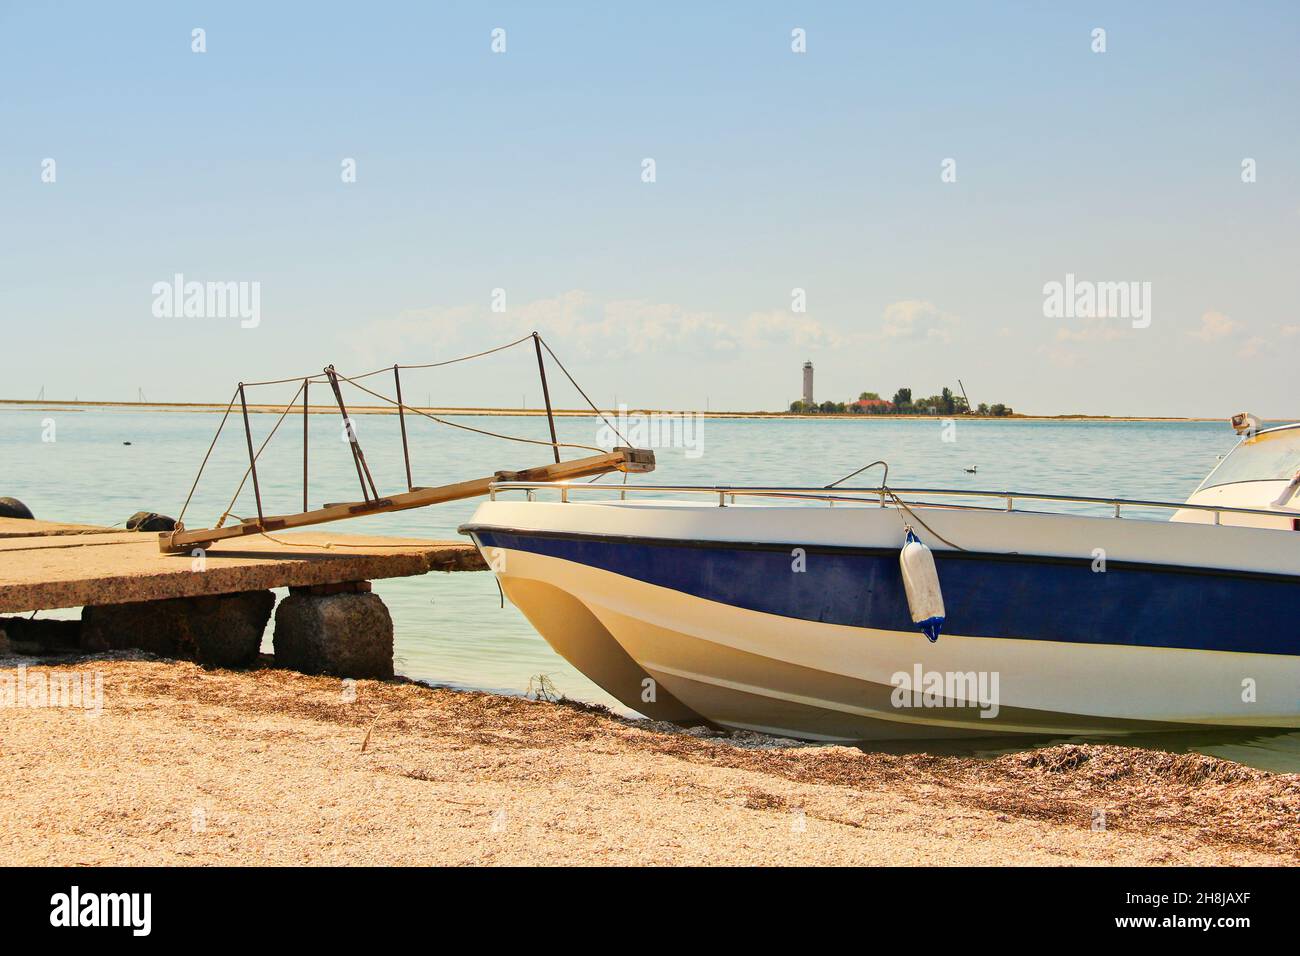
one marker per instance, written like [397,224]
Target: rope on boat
[900,503]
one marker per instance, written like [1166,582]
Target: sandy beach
[190,766]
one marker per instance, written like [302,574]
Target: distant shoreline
[470,411]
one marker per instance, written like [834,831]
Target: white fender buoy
[921,581]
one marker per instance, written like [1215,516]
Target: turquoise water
[451,629]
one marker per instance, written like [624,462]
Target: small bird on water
[971,470]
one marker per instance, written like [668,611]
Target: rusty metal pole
[252,459]
[357,458]
[546,395]
[401,418]
[305,383]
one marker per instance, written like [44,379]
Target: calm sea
[450,628]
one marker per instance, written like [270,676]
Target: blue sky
[522,171]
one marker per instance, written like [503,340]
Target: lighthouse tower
[808,383]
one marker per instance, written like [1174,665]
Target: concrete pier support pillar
[219,630]
[342,630]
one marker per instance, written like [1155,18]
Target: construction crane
[963,395]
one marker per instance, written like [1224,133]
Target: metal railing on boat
[882,494]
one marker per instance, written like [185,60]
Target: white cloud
[1215,325]
[601,329]
[1252,347]
[765,329]
[418,332]
[1060,355]
[916,320]
[582,324]
[1091,330]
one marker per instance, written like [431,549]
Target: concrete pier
[77,570]
[29,528]
[221,630]
[346,634]
[213,606]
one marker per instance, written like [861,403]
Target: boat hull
[812,639]
[578,636]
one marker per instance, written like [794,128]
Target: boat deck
[45,566]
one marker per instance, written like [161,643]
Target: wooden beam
[620,459]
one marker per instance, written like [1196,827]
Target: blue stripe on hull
[1020,596]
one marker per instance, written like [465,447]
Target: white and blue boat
[784,610]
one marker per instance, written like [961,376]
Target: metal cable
[207,456]
[388,368]
[292,402]
[305,380]
[574,383]
[468,428]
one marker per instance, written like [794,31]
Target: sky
[890,203]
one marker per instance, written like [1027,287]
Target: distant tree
[903,399]
[946,405]
[800,407]
[999,410]
[830,408]
[983,409]
[869,396]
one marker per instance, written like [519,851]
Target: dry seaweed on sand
[275,760]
